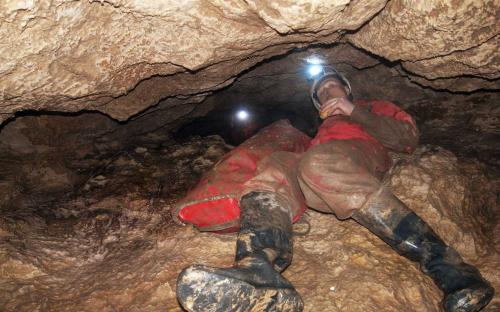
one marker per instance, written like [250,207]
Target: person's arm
[396,131]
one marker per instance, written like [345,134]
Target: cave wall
[161,65]
[438,42]
[466,123]
[91,91]
[120,57]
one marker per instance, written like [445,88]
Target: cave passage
[85,218]
[464,122]
[112,110]
[237,125]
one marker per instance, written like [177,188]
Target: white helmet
[322,73]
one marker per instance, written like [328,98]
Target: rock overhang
[121,57]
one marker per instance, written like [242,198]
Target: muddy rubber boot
[254,283]
[465,290]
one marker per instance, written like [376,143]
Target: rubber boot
[254,283]
[465,290]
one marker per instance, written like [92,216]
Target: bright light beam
[314,70]
[242,115]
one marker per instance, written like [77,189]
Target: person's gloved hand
[336,106]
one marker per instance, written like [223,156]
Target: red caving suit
[335,172]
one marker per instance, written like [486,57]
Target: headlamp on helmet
[319,71]
[315,65]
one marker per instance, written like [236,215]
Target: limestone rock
[438,39]
[482,61]
[121,57]
[114,247]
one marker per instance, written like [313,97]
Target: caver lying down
[261,187]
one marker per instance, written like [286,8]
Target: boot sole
[200,289]
[467,300]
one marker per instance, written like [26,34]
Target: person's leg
[341,177]
[263,250]
[464,288]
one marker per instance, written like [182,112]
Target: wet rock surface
[448,51]
[109,244]
[85,199]
[121,57]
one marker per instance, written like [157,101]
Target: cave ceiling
[121,57]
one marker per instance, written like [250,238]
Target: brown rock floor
[110,245]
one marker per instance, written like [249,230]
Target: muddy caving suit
[260,187]
[335,172]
